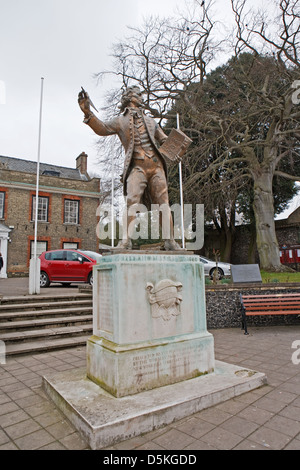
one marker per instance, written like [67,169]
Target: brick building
[68,200]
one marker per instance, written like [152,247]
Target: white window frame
[71,211]
[2,204]
[70,246]
[41,246]
[43,206]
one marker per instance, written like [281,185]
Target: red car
[67,266]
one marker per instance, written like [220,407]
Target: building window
[43,205]
[40,248]
[70,246]
[71,212]
[2,204]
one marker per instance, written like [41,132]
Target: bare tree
[165,56]
[281,139]
[239,139]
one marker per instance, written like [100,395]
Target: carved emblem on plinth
[165,299]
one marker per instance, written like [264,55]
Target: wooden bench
[276,304]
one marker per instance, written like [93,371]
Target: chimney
[81,163]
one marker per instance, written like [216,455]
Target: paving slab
[19,286]
[266,345]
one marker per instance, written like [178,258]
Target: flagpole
[112,202]
[38,170]
[181,193]
[34,267]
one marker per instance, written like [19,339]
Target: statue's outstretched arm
[98,126]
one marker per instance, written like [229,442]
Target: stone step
[15,317]
[46,345]
[44,323]
[21,307]
[41,334]
[33,324]
[22,299]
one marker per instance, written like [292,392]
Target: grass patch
[267,278]
[280,277]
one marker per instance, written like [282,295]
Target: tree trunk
[226,229]
[226,245]
[252,245]
[266,239]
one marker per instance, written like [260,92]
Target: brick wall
[288,234]
[20,188]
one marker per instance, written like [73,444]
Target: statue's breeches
[148,174]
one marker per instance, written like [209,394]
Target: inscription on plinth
[127,372]
[168,360]
[105,290]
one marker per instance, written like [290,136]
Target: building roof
[26,166]
[293,220]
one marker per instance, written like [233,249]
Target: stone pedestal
[104,420]
[150,360]
[149,322]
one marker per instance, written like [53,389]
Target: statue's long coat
[123,126]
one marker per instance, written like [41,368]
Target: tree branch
[286,175]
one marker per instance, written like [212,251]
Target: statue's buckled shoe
[125,245]
[172,245]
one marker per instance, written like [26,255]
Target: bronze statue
[145,171]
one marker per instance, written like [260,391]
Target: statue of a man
[145,170]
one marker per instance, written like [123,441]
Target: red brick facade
[53,232]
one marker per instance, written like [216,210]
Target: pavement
[19,286]
[267,418]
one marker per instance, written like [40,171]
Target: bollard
[2,352]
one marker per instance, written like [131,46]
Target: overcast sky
[65,42]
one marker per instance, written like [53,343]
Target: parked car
[224,269]
[67,266]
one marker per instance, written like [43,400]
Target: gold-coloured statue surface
[145,170]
